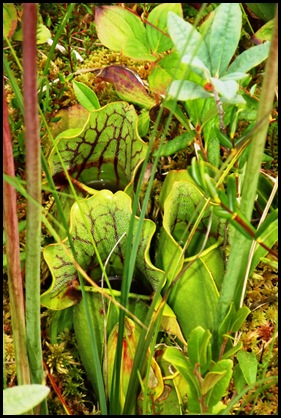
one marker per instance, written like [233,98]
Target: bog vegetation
[140,208]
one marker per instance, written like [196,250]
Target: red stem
[13,254]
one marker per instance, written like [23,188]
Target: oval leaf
[187,39]
[42,34]
[158,42]
[249,58]
[224,36]
[249,366]
[199,348]
[123,31]
[86,96]
[18,400]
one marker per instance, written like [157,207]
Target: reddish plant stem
[33,179]
[13,255]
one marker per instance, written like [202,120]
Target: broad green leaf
[128,85]
[135,49]
[106,218]
[106,153]
[249,366]
[238,100]
[86,96]
[180,198]
[227,89]
[171,178]
[201,277]
[218,385]
[199,348]
[249,58]
[19,400]
[159,80]
[120,30]
[114,25]
[174,380]
[187,90]
[186,39]
[9,19]
[224,36]
[158,42]
[70,133]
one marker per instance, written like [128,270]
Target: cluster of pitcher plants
[156,302]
